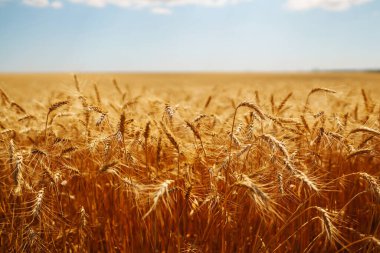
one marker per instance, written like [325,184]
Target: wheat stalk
[261,115]
[369,106]
[52,108]
[38,201]
[208,102]
[174,143]
[316,90]
[18,174]
[359,152]
[373,185]
[283,102]
[18,108]
[254,107]
[27,117]
[4,97]
[146,136]
[158,152]
[327,225]
[12,150]
[169,111]
[280,145]
[115,84]
[196,134]
[170,137]
[280,182]
[259,195]
[301,176]
[365,129]
[305,124]
[163,190]
[98,98]
[76,82]
[83,217]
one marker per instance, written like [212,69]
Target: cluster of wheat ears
[89,173]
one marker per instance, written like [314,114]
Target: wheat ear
[316,90]
[52,108]
[196,134]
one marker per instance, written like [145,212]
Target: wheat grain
[4,97]
[316,90]
[98,98]
[365,129]
[38,202]
[57,105]
[283,102]
[327,225]
[18,108]
[208,102]
[163,190]
[254,107]
[83,217]
[170,137]
[373,185]
[121,128]
[305,124]
[27,117]
[115,84]
[280,146]
[196,134]
[359,152]
[18,174]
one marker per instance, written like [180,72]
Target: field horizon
[254,79]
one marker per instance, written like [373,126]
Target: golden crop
[190,163]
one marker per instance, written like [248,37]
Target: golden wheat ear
[313,91]
[52,108]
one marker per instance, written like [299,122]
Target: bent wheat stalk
[365,129]
[52,108]
[315,90]
[196,134]
[262,117]
[163,190]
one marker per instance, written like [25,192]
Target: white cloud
[165,7]
[37,3]
[333,5]
[156,3]
[43,3]
[161,11]
[161,7]
[56,5]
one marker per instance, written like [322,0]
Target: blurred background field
[40,85]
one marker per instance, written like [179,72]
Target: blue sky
[188,35]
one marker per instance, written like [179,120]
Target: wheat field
[190,162]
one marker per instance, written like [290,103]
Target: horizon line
[343,70]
